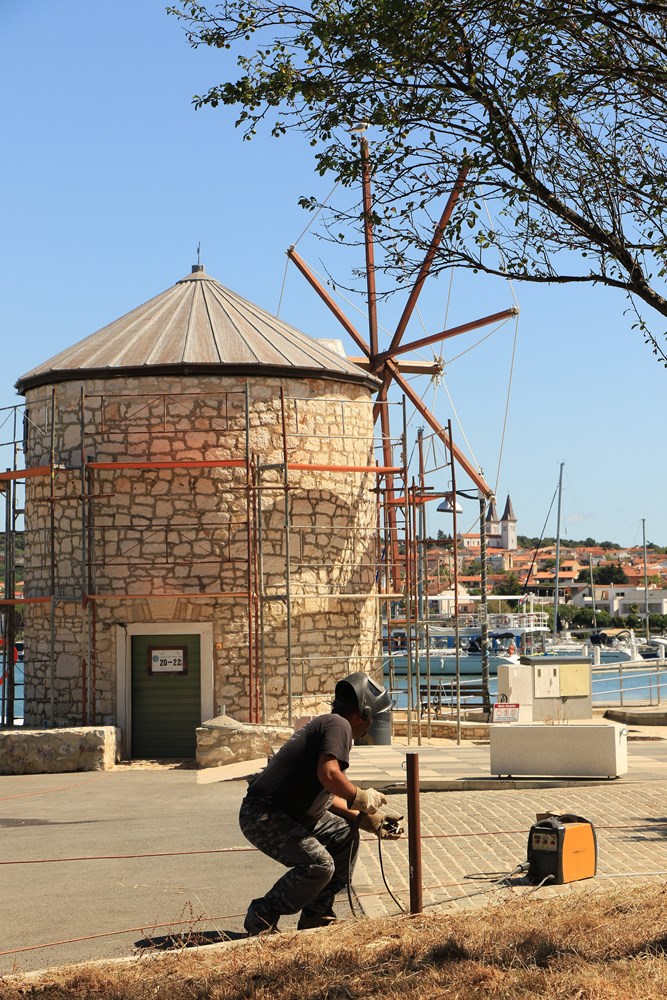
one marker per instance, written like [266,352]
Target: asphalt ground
[111,864]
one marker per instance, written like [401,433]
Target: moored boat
[434,646]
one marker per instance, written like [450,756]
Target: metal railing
[639,682]
[631,682]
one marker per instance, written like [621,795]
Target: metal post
[420,536]
[556,579]
[52,525]
[483,605]
[7,712]
[414,833]
[370,252]
[84,567]
[255,593]
[646,625]
[260,574]
[390,496]
[252,708]
[90,589]
[409,637]
[414,573]
[590,570]
[425,591]
[10,589]
[456,590]
[52,665]
[288,588]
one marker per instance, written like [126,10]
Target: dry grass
[602,944]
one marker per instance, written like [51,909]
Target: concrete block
[224,740]
[576,751]
[54,751]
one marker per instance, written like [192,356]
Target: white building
[620,599]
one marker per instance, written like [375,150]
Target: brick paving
[467,833]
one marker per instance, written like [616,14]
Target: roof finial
[198,266]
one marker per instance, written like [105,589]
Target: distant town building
[622,599]
[501,534]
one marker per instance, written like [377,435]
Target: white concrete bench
[566,751]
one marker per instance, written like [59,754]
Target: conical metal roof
[508,513]
[196,326]
[492,513]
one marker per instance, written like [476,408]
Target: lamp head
[448,507]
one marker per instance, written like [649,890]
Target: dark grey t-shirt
[289,782]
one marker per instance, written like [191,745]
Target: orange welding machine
[561,849]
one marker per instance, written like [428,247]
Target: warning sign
[505,712]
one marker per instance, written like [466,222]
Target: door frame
[124,669]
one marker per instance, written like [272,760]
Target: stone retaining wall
[51,751]
[444,729]
[226,741]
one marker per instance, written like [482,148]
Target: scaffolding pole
[288,587]
[90,498]
[52,549]
[85,660]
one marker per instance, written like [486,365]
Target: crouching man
[303,812]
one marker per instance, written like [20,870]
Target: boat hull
[470,665]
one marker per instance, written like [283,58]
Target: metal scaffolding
[235,544]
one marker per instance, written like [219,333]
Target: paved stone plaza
[467,833]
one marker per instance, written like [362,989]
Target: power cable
[282,288]
[507,402]
[384,879]
[460,425]
[497,876]
[125,930]
[298,240]
[50,791]
[450,361]
[225,916]
[323,205]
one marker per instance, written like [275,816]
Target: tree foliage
[557,109]
[606,573]
[509,583]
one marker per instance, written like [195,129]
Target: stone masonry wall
[152,535]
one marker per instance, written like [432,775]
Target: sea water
[636,685]
[19,692]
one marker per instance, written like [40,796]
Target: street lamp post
[457,651]
[484,611]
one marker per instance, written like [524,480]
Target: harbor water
[621,685]
[19,689]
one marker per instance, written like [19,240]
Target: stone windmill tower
[200,522]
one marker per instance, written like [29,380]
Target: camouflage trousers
[320,860]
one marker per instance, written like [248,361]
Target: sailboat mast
[556,578]
[647,631]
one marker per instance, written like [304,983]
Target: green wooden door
[166,698]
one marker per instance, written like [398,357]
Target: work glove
[368,800]
[384,824]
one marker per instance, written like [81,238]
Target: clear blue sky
[109,178]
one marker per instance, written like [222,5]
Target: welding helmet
[370,697]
